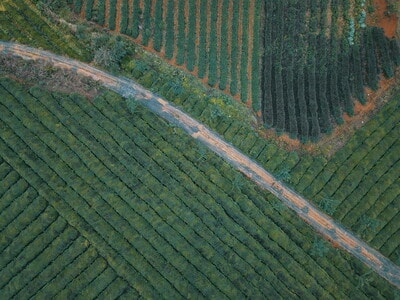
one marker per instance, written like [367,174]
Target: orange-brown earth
[383,18]
[118,16]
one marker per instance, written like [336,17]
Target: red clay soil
[384,19]
[119,16]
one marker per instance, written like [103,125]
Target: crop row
[50,258]
[93,280]
[80,199]
[176,221]
[193,101]
[145,194]
[156,171]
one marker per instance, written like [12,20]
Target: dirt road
[321,222]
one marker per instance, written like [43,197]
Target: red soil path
[119,16]
[321,222]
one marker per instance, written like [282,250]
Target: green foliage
[358,185]
[112,14]
[147,23]
[158,26]
[181,38]
[191,42]
[297,36]
[224,52]
[124,16]
[320,247]
[210,37]
[139,199]
[22,22]
[101,8]
[136,18]
[255,59]
[203,53]
[89,9]
[234,50]
[244,53]
[108,51]
[213,45]
[328,205]
[77,6]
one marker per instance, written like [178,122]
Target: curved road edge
[321,222]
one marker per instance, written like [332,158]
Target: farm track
[321,222]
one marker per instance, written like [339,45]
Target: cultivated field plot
[373,155]
[319,57]
[275,55]
[217,40]
[360,185]
[141,209]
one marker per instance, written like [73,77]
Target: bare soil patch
[107,14]
[119,16]
[384,18]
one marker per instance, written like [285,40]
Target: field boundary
[321,222]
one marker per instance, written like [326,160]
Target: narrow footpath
[321,222]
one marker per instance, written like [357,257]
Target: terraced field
[332,183]
[159,214]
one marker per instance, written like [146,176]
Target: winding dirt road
[321,222]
